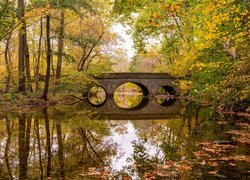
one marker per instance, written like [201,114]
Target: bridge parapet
[126,75]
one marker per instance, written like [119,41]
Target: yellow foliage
[2,72]
[185,85]
[200,65]
[38,12]
[215,15]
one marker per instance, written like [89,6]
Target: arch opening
[166,95]
[97,95]
[131,96]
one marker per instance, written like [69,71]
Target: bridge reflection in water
[149,108]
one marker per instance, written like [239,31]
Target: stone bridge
[150,83]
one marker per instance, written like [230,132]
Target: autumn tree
[7,22]
[60,45]
[22,53]
[6,18]
[203,42]
[89,38]
[48,58]
[61,6]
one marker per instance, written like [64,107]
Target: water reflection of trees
[9,127]
[61,143]
[175,137]
[39,145]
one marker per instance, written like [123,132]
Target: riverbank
[29,102]
[18,102]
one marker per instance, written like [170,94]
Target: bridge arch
[144,98]
[168,93]
[93,96]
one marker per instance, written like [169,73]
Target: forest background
[48,48]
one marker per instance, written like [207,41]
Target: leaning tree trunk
[7,64]
[21,48]
[46,86]
[60,47]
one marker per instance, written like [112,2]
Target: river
[83,142]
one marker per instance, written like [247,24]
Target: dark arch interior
[169,89]
[144,89]
[144,98]
[170,99]
[96,96]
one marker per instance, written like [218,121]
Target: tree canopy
[206,42]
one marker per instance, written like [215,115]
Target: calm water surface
[77,142]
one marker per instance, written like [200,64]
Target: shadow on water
[73,143]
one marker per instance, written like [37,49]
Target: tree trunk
[11,67]
[46,86]
[7,63]
[52,60]
[37,69]
[21,48]
[87,55]
[27,61]
[60,47]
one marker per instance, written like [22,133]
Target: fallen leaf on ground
[203,162]
[213,172]
[232,164]
[222,122]
[126,178]
[170,162]
[214,164]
